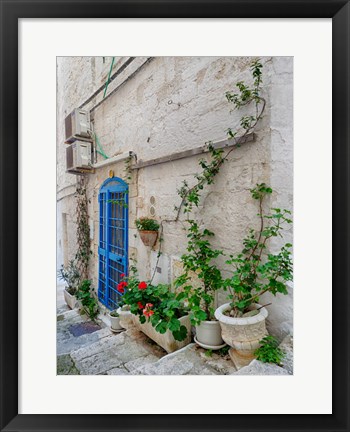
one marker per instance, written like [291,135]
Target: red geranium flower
[142,285]
[140,305]
[122,275]
[120,287]
[148,311]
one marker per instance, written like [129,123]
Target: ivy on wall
[83,230]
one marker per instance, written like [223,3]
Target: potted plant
[71,276]
[148,229]
[158,312]
[255,272]
[115,321]
[201,299]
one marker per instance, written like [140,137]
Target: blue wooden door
[113,239]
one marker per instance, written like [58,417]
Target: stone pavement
[88,348]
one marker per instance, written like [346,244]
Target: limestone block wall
[167,105]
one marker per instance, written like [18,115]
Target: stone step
[190,360]
[66,342]
[119,354]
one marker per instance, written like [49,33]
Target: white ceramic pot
[125,318]
[165,340]
[70,299]
[115,323]
[208,335]
[242,334]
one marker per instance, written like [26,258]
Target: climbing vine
[83,230]
[127,168]
[244,96]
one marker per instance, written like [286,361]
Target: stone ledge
[257,367]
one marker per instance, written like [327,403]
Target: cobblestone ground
[87,348]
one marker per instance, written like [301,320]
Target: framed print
[174,215]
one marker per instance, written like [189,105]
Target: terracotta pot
[208,334]
[149,238]
[70,299]
[165,340]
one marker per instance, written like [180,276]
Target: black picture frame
[11,11]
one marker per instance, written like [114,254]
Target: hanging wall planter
[148,229]
[149,238]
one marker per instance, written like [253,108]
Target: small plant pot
[242,334]
[115,324]
[70,299]
[165,340]
[149,238]
[125,318]
[208,335]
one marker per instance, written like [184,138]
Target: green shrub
[269,351]
[88,301]
[146,224]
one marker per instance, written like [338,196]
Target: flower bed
[158,312]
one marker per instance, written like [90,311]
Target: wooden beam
[194,152]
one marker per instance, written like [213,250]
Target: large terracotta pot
[242,334]
[165,340]
[149,238]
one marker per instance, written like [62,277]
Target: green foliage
[70,274]
[114,314]
[268,352]
[199,259]
[127,169]
[255,270]
[89,302]
[246,94]
[191,196]
[156,304]
[146,224]
[224,350]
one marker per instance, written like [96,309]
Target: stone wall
[167,105]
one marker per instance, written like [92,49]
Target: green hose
[100,150]
[109,76]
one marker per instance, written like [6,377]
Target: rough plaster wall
[176,104]
[280,321]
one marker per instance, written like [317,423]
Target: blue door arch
[113,239]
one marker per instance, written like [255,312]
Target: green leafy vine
[244,96]
[83,230]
